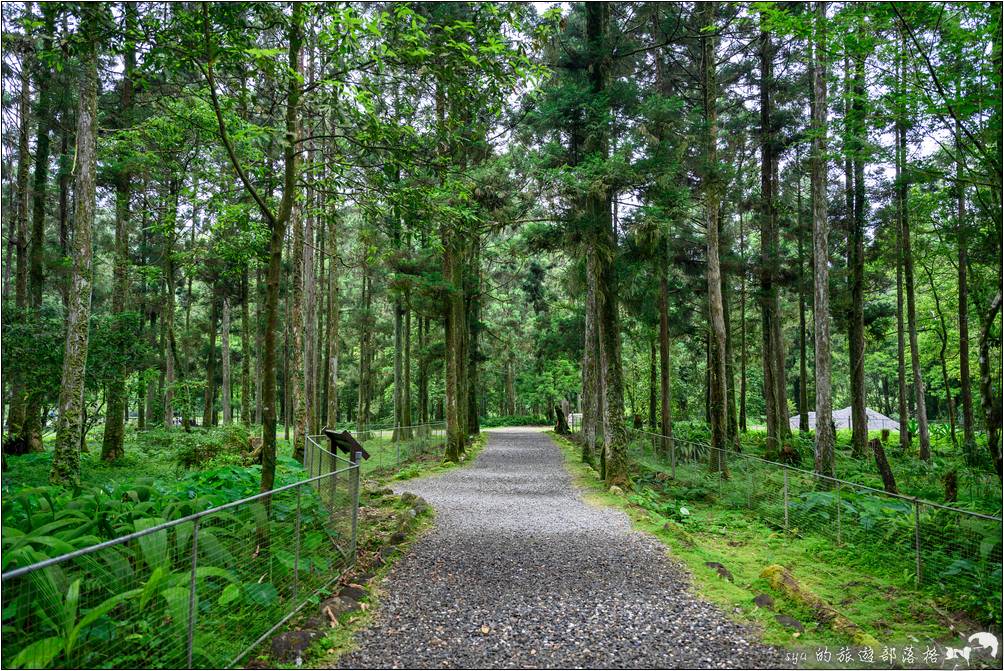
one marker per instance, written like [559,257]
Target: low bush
[514,420]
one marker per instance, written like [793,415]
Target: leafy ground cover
[860,581]
[78,613]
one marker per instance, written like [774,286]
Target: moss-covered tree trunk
[66,455]
[115,394]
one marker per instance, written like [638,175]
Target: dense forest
[308,215]
[263,262]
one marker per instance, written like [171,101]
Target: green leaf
[39,654]
[262,594]
[230,594]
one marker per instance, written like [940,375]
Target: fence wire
[957,549]
[201,591]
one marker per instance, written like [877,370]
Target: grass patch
[884,605]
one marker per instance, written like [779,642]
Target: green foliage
[513,420]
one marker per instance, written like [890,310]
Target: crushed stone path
[557,582]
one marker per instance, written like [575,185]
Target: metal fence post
[192,611]
[357,460]
[838,513]
[916,535]
[749,484]
[672,457]
[786,498]
[296,554]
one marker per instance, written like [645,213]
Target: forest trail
[557,582]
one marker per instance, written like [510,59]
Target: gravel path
[556,581]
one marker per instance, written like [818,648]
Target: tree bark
[991,408]
[31,428]
[167,322]
[296,378]
[803,373]
[245,349]
[965,377]
[856,259]
[115,394]
[821,251]
[665,364]
[15,418]
[333,319]
[709,187]
[66,455]
[903,188]
[225,356]
[775,394]
[208,405]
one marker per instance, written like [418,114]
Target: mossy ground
[856,584]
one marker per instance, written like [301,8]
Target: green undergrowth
[854,581]
[340,640]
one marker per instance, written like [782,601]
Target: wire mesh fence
[393,447]
[938,544]
[200,591]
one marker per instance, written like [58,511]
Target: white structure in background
[842,419]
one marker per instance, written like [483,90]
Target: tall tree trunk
[904,415]
[472,299]
[803,373]
[604,239]
[455,328]
[652,397]
[245,349]
[903,188]
[592,385]
[821,252]
[709,186]
[259,338]
[208,406]
[225,355]
[856,260]
[406,420]
[423,371]
[991,408]
[965,377]
[742,327]
[943,354]
[66,456]
[115,393]
[666,388]
[167,322]
[333,319]
[309,338]
[775,394]
[296,358]
[31,428]
[15,418]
